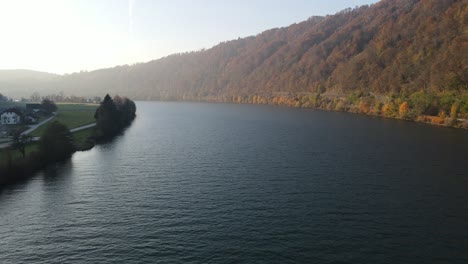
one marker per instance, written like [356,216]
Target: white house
[10,117]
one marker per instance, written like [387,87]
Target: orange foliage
[432,119]
[390,46]
[387,109]
[403,110]
[364,107]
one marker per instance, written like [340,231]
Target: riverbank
[14,167]
[449,109]
[58,143]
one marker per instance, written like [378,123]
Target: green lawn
[71,115]
[38,132]
[80,138]
[16,154]
[74,115]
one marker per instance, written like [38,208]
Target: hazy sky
[64,36]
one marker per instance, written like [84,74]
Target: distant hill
[11,75]
[22,83]
[359,59]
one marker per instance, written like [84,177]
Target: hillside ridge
[359,59]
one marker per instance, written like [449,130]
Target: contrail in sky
[131,4]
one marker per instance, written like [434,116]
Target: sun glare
[60,35]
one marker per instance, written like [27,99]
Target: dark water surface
[213,183]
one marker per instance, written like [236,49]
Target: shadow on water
[52,173]
[116,137]
[56,172]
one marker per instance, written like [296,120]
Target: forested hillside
[397,58]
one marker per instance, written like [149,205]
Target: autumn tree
[403,110]
[454,110]
[377,108]
[388,109]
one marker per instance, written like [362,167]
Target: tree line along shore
[449,108]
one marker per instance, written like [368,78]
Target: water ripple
[206,183]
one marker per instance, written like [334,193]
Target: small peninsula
[47,133]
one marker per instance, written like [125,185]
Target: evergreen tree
[107,118]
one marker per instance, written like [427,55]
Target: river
[226,183]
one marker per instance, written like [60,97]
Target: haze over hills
[22,83]
[17,75]
[393,47]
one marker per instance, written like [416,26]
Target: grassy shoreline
[58,143]
[72,116]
